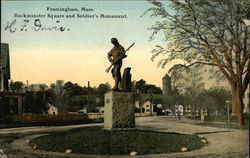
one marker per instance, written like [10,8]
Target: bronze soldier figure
[113,57]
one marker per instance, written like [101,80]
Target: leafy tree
[101,90]
[35,102]
[59,97]
[152,89]
[207,32]
[43,87]
[168,101]
[16,86]
[142,87]
[139,85]
[69,88]
[190,83]
[141,100]
[218,96]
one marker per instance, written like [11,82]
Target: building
[179,109]
[149,107]
[146,107]
[4,67]
[37,87]
[11,102]
[52,109]
[166,85]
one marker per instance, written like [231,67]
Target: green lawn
[95,140]
[231,126]
[221,122]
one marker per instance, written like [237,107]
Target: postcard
[124,78]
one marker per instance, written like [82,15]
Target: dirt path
[221,142]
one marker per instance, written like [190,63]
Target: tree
[43,87]
[59,97]
[69,88]
[142,87]
[220,96]
[101,90]
[208,32]
[139,85]
[188,82]
[35,102]
[16,86]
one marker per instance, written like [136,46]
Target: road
[224,143]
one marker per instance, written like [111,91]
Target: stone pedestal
[119,111]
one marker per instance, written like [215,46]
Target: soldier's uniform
[115,52]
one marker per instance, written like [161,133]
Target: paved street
[221,142]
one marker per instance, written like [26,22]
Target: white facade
[52,109]
[83,111]
[100,109]
[179,109]
[146,107]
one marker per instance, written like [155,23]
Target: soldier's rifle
[119,58]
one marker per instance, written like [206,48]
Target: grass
[95,140]
[231,126]
[6,140]
[28,124]
[221,122]
[219,118]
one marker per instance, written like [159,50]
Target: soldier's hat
[114,40]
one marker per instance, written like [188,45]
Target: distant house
[100,109]
[151,103]
[52,109]
[37,87]
[188,110]
[83,111]
[179,109]
[200,111]
[146,107]
[167,112]
[149,107]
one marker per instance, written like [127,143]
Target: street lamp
[228,111]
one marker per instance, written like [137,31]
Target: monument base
[119,111]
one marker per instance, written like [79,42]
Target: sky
[79,54]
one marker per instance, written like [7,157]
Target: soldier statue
[115,56]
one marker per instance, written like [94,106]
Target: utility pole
[228,111]
[88,96]
[151,103]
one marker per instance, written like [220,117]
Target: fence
[59,117]
[47,117]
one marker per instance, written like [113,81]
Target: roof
[5,59]
[166,76]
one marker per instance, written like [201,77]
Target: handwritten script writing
[35,25]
